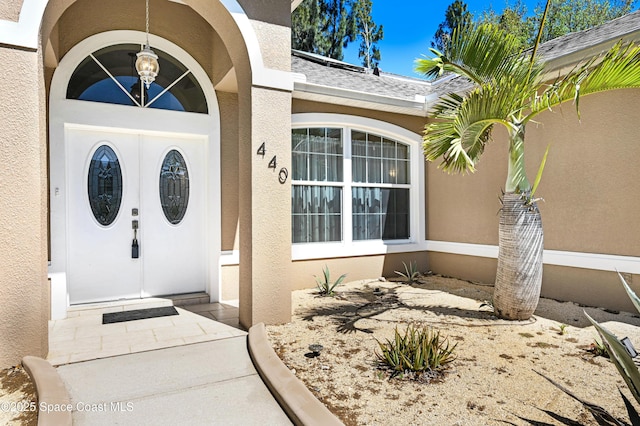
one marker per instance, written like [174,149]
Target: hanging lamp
[147,62]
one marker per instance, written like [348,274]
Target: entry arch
[66,116]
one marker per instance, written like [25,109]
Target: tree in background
[305,23]
[326,27]
[455,16]
[564,17]
[512,20]
[569,16]
[368,32]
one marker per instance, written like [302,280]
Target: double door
[136,215]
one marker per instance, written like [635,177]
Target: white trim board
[572,259]
[595,261]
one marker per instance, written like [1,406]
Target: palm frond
[619,68]
[481,53]
[462,125]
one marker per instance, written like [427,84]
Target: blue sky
[409,27]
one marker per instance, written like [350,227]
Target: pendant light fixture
[147,62]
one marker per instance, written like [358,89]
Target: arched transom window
[108,75]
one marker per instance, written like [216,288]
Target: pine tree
[326,27]
[368,32]
[455,15]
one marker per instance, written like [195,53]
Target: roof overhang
[357,99]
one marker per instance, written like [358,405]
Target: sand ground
[493,381]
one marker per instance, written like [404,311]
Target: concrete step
[189,299]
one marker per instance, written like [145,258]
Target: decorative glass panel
[380,213]
[174,187]
[90,82]
[317,154]
[316,213]
[378,160]
[105,185]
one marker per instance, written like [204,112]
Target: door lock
[134,224]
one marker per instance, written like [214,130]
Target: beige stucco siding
[584,286]
[23,267]
[277,53]
[172,21]
[10,10]
[265,209]
[411,123]
[229,169]
[356,268]
[589,183]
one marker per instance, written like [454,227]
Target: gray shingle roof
[346,76]
[611,31]
[325,72]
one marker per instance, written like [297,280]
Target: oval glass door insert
[174,187]
[105,185]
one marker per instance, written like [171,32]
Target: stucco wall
[229,170]
[265,209]
[172,21]
[589,187]
[10,10]
[23,276]
[277,53]
[589,183]
[411,123]
[360,268]
[584,286]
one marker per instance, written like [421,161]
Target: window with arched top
[108,75]
[357,187]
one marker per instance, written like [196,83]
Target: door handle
[135,247]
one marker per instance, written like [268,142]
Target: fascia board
[334,95]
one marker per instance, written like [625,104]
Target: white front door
[118,181]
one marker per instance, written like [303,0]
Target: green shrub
[418,350]
[324,285]
[411,273]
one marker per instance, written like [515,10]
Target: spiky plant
[419,350]
[324,285]
[410,274]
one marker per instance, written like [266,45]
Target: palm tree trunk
[519,275]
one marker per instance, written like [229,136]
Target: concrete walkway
[210,383]
[187,369]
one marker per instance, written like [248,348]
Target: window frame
[348,246]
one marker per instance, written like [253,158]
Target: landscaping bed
[492,381]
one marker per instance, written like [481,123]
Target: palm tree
[509,89]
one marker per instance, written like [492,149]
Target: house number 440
[273,163]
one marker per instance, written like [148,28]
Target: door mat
[138,314]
